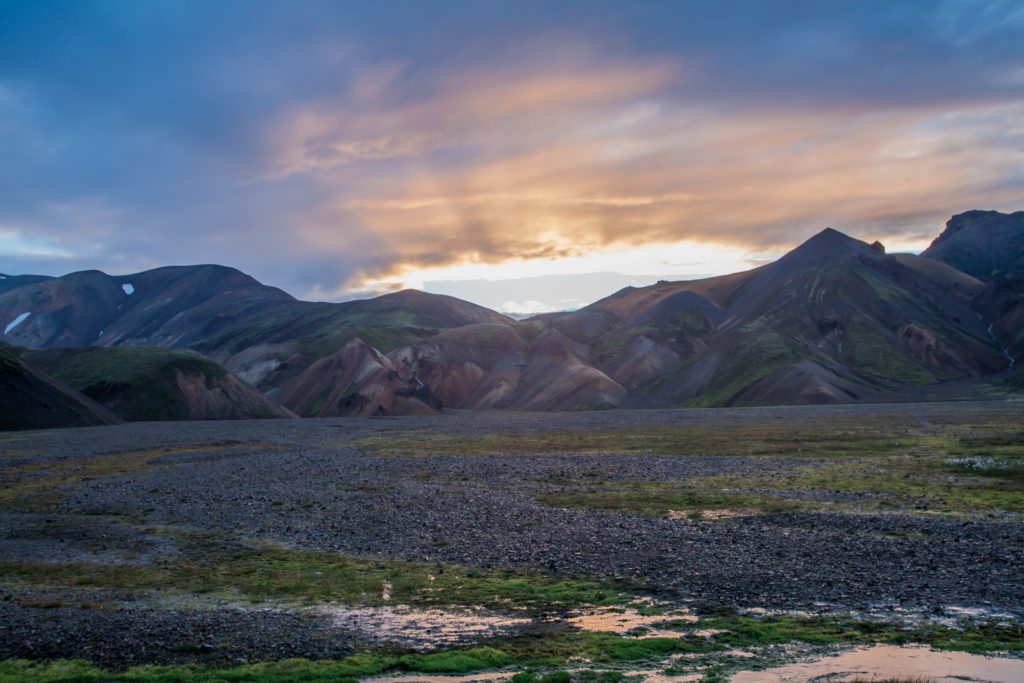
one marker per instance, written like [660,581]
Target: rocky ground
[107,496]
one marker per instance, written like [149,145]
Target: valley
[835,320]
[690,544]
[511,342]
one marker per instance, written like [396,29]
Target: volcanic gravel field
[320,485]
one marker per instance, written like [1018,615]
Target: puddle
[427,678]
[711,515]
[422,629]
[637,676]
[655,677]
[708,632]
[624,622]
[644,676]
[884,662]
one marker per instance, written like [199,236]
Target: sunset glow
[345,151]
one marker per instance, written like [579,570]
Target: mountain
[155,384]
[32,400]
[14,281]
[990,246]
[984,244]
[834,320]
[261,334]
[521,366]
[355,380]
[165,307]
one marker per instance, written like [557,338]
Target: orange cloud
[469,107]
[507,164]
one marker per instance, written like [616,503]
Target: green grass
[894,484]
[755,359]
[876,356]
[384,339]
[751,438]
[284,671]
[601,648]
[657,500]
[691,321]
[557,647]
[978,638]
[607,350]
[138,383]
[897,466]
[40,487]
[259,573]
[130,365]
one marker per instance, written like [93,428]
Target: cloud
[331,147]
[761,181]
[469,108]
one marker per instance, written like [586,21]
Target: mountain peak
[829,242]
[981,243]
[831,235]
[980,220]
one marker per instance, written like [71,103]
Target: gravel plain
[311,484]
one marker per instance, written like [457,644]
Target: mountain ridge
[835,319]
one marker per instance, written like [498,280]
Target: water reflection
[884,662]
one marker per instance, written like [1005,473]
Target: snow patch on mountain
[17,321]
[128,288]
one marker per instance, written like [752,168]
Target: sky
[528,156]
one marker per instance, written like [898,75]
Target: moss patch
[137,383]
[557,648]
[878,357]
[41,487]
[895,465]
[661,499]
[755,359]
[258,573]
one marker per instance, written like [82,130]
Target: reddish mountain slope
[155,384]
[835,319]
[31,399]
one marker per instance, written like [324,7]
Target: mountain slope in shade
[31,399]
[981,243]
[274,345]
[154,308]
[990,246]
[522,366]
[13,281]
[155,384]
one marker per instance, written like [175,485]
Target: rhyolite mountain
[984,244]
[990,246]
[834,320]
[137,383]
[30,399]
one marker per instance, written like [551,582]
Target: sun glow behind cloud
[685,259]
[607,269]
[337,149]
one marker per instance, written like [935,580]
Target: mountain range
[834,320]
